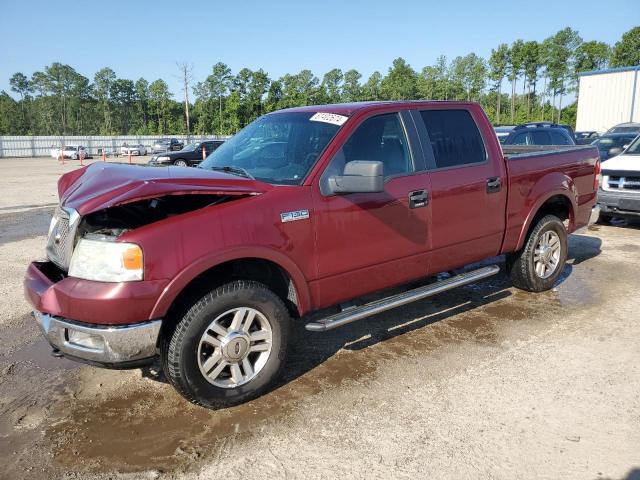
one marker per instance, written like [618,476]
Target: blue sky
[146,38]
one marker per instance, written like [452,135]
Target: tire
[186,356]
[522,266]
[604,219]
[181,163]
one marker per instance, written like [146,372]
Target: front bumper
[116,347]
[100,303]
[619,203]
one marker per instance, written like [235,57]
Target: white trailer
[608,97]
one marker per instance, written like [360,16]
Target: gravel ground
[483,382]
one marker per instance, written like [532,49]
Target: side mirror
[359,176]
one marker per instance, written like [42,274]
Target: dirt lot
[483,382]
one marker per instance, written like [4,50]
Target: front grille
[62,237]
[616,182]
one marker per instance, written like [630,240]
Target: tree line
[539,75]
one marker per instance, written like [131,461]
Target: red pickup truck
[304,209]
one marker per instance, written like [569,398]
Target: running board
[357,313]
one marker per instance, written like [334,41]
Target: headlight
[106,261]
[163,159]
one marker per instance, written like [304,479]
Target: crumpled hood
[102,185]
[622,162]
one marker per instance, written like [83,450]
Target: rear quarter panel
[535,178]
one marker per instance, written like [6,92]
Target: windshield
[630,129]
[278,148]
[634,148]
[610,142]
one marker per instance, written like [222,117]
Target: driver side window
[380,138]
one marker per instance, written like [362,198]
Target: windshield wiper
[234,170]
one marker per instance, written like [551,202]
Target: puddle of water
[155,428]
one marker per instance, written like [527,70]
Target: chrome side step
[357,313]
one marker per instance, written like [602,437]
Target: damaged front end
[75,242]
[116,220]
[104,201]
[93,299]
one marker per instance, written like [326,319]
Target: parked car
[503,131]
[166,145]
[137,149]
[72,151]
[612,144]
[627,127]
[212,265]
[567,127]
[542,133]
[619,194]
[586,137]
[190,155]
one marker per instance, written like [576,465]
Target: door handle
[494,184]
[418,198]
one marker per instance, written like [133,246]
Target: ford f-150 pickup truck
[305,209]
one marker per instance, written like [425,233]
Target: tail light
[596,176]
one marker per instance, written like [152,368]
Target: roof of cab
[349,108]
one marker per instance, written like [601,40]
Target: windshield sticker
[329,118]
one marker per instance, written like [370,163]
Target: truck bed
[515,152]
[542,172]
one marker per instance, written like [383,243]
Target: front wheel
[541,261]
[229,347]
[180,163]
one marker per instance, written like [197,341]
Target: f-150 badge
[292,216]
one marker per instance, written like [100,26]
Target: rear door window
[520,139]
[559,139]
[455,138]
[541,138]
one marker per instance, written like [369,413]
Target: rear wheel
[229,347]
[541,261]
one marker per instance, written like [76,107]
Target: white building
[608,97]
